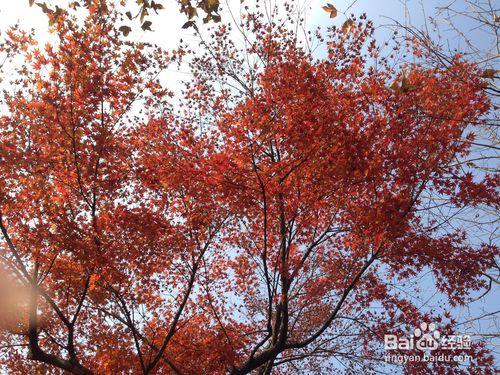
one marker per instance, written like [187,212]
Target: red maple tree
[268,224]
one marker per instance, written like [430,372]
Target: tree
[470,28]
[268,223]
[108,263]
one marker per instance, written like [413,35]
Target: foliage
[144,8]
[270,223]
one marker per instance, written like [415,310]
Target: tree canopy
[269,220]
